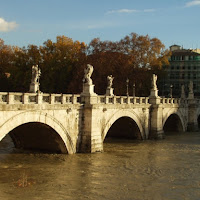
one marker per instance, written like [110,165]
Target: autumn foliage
[62,63]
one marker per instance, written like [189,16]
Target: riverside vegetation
[135,57]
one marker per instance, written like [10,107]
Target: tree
[62,64]
[59,62]
[6,61]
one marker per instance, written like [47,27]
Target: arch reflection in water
[38,137]
[124,128]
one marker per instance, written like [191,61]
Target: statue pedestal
[191,95]
[34,87]
[154,93]
[88,96]
[109,92]
[88,90]
[182,96]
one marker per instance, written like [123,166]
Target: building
[184,67]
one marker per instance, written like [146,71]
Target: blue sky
[24,22]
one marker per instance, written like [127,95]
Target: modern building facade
[184,67]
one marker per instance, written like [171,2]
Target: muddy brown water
[126,170]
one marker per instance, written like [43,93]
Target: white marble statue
[154,79]
[190,87]
[110,81]
[182,91]
[36,73]
[87,74]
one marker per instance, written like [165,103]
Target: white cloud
[7,26]
[122,11]
[129,11]
[193,3]
[149,10]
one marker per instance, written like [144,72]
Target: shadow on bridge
[123,128]
[34,137]
[173,125]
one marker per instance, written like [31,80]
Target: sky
[24,22]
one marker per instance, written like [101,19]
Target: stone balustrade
[122,100]
[38,98]
[170,101]
[45,98]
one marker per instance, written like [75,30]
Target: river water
[126,170]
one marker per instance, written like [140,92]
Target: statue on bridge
[36,73]
[88,87]
[182,91]
[110,79]
[154,89]
[109,90]
[154,79]
[191,92]
[190,87]
[87,74]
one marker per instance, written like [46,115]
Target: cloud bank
[129,11]
[7,26]
[193,3]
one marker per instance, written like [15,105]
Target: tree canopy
[62,63]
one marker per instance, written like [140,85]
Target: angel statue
[110,81]
[87,74]
[36,73]
[190,87]
[154,79]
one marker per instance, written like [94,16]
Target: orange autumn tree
[62,64]
[59,60]
[134,57]
[6,57]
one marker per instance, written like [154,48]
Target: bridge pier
[156,112]
[192,115]
[90,131]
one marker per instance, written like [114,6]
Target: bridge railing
[173,101]
[102,99]
[38,98]
[122,100]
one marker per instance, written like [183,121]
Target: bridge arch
[198,117]
[122,114]
[176,115]
[38,117]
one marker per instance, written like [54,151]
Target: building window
[177,67]
[194,76]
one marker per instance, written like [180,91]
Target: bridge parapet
[38,98]
[172,101]
[122,100]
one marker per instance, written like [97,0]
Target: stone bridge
[78,123]
[67,123]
